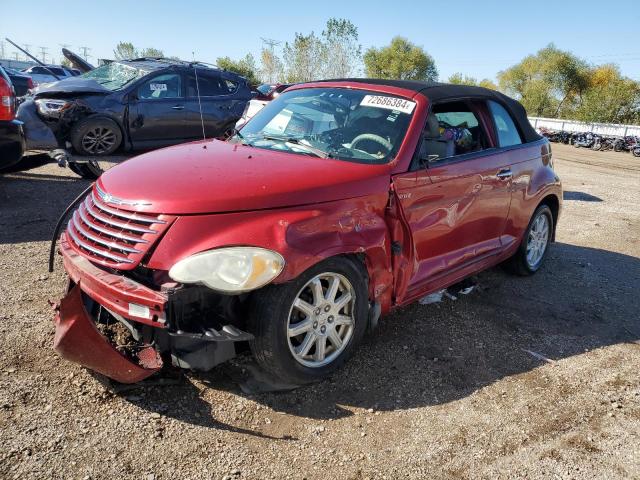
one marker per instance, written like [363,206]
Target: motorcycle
[584,140]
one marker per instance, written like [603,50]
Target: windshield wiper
[295,141]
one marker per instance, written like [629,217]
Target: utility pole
[43,53]
[85,51]
[26,46]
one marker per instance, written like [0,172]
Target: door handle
[505,173]
[178,107]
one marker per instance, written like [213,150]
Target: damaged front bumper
[157,324]
[77,339]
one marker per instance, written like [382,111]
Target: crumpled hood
[215,176]
[70,85]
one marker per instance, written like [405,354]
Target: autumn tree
[549,83]
[271,69]
[400,60]
[610,97]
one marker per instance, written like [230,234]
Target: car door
[157,111]
[456,200]
[217,100]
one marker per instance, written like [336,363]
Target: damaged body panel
[335,204]
[133,105]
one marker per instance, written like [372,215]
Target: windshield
[346,124]
[114,76]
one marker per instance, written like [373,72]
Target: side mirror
[133,96]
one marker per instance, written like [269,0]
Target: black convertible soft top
[436,91]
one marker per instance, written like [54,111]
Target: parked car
[134,104]
[22,82]
[265,93]
[336,203]
[11,134]
[41,74]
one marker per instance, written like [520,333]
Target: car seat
[433,145]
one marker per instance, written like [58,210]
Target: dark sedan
[134,105]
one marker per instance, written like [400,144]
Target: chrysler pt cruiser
[338,202]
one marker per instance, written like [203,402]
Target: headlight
[232,269]
[51,108]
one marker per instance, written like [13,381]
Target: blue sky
[477,38]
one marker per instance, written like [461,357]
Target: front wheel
[535,243]
[306,329]
[96,136]
[636,152]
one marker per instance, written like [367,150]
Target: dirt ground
[524,378]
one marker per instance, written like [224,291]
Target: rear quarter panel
[533,180]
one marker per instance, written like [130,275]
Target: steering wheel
[373,137]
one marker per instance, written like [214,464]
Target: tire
[96,136]
[272,309]
[520,263]
[636,152]
[89,170]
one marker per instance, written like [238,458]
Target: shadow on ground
[422,355]
[580,196]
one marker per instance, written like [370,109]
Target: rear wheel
[535,243]
[306,329]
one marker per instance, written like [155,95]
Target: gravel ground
[524,378]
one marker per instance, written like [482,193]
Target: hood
[77,61]
[215,177]
[70,85]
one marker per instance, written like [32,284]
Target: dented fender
[304,236]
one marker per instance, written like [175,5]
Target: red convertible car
[338,202]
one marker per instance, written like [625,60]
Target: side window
[508,134]
[452,129]
[168,85]
[210,85]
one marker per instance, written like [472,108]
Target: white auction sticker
[390,103]
[158,87]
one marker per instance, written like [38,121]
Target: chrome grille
[112,236]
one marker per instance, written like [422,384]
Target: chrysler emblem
[108,198]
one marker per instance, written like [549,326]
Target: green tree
[343,51]
[246,67]
[400,60]
[125,51]
[460,79]
[304,59]
[151,52]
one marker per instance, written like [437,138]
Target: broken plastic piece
[77,339]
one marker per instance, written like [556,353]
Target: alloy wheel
[538,240]
[99,140]
[321,320]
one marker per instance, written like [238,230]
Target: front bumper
[159,320]
[37,133]
[77,339]
[117,293]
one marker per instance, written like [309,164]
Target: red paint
[77,339]
[447,221]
